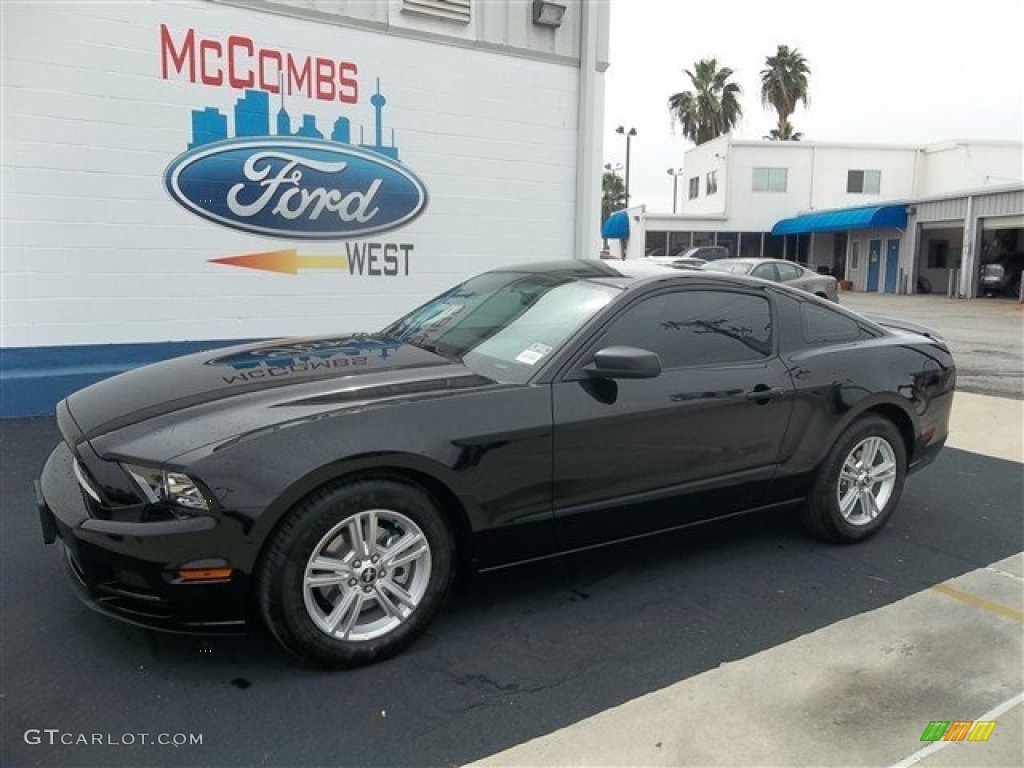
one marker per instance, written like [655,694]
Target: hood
[298,367]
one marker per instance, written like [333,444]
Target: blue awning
[877,217]
[616,226]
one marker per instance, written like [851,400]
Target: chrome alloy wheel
[866,481]
[367,575]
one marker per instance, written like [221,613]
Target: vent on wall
[450,10]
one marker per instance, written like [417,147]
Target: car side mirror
[623,363]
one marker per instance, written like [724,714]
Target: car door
[709,427]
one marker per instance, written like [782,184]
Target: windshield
[733,267]
[503,325]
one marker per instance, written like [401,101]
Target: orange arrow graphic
[287,262]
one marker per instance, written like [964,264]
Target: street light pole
[675,174]
[629,135]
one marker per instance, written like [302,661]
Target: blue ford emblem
[295,188]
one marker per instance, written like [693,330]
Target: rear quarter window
[823,325]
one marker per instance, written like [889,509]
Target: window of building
[774,246]
[863,182]
[726,240]
[696,328]
[450,10]
[679,242]
[750,245]
[694,187]
[655,243]
[770,179]
[854,255]
[711,183]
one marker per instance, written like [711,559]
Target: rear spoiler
[899,324]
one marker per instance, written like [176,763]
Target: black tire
[281,581]
[821,513]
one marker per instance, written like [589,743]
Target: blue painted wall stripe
[34,379]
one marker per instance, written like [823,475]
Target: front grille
[123,598]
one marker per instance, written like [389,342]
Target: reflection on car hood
[184,382]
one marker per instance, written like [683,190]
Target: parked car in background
[702,252]
[1002,275]
[676,262]
[705,252]
[780,271]
[331,486]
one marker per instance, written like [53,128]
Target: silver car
[676,262]
[780,271]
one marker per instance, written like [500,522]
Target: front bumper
[130,570]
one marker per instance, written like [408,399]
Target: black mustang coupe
[333,485]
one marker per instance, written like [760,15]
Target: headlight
[171,487]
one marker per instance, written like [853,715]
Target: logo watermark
[958,730]
[55,736]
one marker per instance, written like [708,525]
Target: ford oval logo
[295,188]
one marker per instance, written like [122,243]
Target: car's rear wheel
[860,482]
[356,572]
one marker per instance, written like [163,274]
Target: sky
[893,71]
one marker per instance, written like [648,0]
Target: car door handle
[762,394]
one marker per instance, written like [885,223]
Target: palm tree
[613,194]
[783,86]
[712,107]
[787,134]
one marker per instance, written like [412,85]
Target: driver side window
[690,328]
[766,272]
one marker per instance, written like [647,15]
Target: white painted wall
[95,251]
[831,169]
[960,165]
[698,162]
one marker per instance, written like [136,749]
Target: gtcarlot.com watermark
[55,736]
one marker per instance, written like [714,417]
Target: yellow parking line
[979,602]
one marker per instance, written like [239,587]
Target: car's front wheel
[355,572]
[860,482]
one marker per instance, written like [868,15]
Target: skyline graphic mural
[252,117]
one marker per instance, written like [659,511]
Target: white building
[887,217]
[182,175]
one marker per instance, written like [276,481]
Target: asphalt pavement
[516,655]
